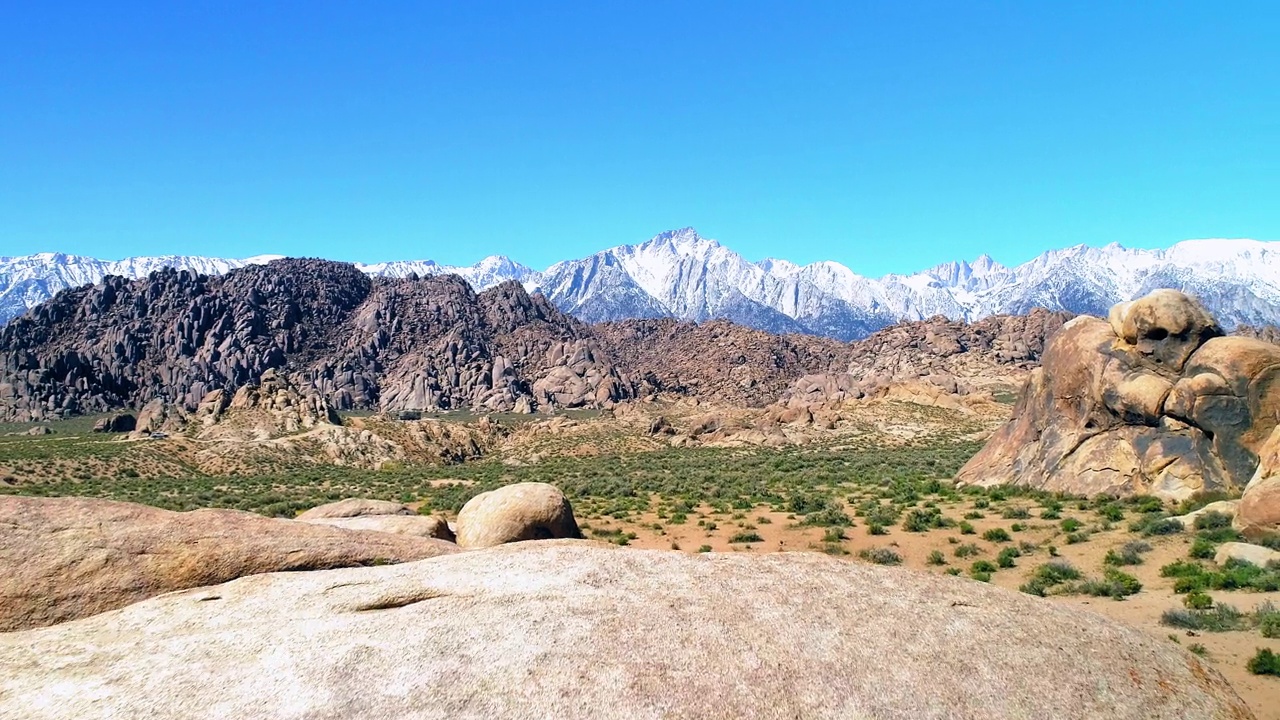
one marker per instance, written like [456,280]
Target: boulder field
[1152,400]
[575,629]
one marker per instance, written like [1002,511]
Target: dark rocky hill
[359,342]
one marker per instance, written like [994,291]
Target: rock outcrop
[571,629]
[935,356]
[1152,400]
[717,359]
[418,525]
[1259,509]
[355,507]
[164,343]
[521,511]
[68,558]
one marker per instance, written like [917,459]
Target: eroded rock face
[521,511]
[571,629]
[163,344]
[1151,400]
[68,558]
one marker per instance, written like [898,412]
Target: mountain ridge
[680,274]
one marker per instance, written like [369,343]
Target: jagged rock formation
[956,358]
[67,558]
[347,339]
[717,359]
[573,629]
[1152,400]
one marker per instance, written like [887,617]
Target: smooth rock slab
[573,629]
[67,558]
[355,507]
[419,525]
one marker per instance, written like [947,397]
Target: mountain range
[683,275]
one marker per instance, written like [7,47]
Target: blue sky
[889,136]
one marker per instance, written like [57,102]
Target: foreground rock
[1259,510]
[1150,401]
[68,558]
[571,629]
[421,526]
[522,511]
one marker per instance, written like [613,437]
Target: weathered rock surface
[68,558]
[717,359]
[571,629]
[1152,400]
[116,423]
[1259,509]
[355,507]
[1221,507]
[521,511]
[419,525]
[955,358]
[1256,554]
[164,343]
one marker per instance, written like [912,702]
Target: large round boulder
[570,629]
[522,511]
[68,558]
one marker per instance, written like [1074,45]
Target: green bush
[1006,557]
[1264,662]
[746,536]
[966,528]
[937,558]
[1045,578]
[1203,549]
[1197,601]
[1070,525]
[1267,618]
[923,520]
[996,535]
[1213,521]
[967,550]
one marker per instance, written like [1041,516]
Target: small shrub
[704,549]
[876,529]
[1203,549]
[1213,521]
[953,571]
[1197,601]
[833,535]
[880,556]
[1129,554]
[967,550]
[966,528]
[937,558]
[1220,618]
[748,536]
[1162,526]
[1112,512]
[1264,663]
[996,535]
[1198,649]
[1267,618]
[1006,556]
[1076,538]
[1016,513]
[1070,525]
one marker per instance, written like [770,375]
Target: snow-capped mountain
[681,274]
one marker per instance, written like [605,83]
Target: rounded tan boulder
[523,511]
[1166,326]
[355,507]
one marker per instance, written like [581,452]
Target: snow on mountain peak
[679,273]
